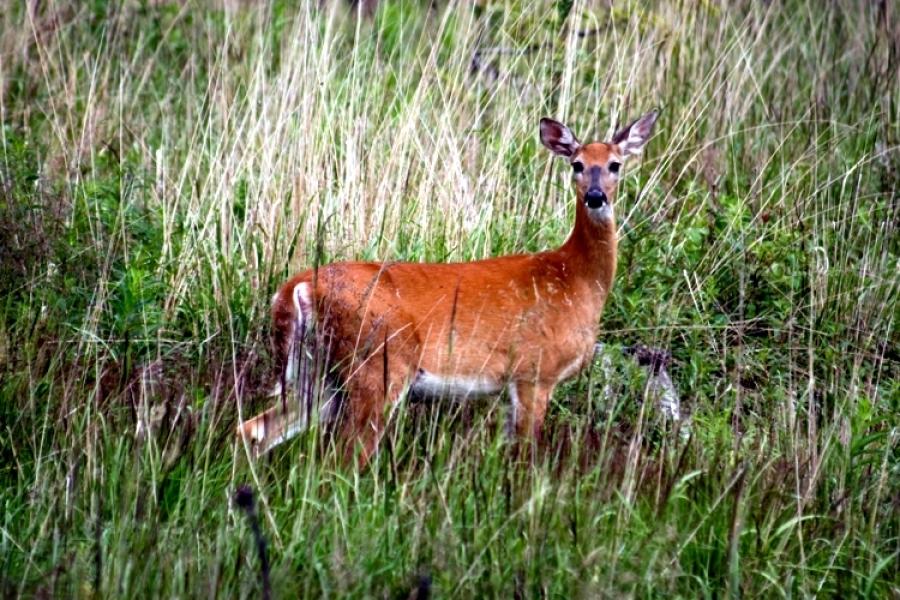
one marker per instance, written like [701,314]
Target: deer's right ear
[558,138]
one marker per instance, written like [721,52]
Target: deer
[523,322]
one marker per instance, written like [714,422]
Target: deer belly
[434,385]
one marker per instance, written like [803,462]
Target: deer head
[596,166]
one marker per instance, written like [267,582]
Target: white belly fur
[453,386]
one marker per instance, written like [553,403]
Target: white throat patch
[603,214]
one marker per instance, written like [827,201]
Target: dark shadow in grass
[243,497]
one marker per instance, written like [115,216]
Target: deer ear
[558,138]
[632,138]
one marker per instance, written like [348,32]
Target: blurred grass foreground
[165,165]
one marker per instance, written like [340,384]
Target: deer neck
[590,251]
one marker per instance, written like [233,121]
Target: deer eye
[614,167]
[578,166]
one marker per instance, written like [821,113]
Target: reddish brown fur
[527,320]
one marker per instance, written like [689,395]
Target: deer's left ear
[632,138]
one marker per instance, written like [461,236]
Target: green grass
[165,165]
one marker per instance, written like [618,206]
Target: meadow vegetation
[165,165]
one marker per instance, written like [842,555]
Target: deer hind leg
[292,413]
[269,429]
[369,395]
[373,388]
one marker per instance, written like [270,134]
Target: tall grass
[166,165]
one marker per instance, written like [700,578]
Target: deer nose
[595,198]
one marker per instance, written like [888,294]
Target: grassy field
[165,165]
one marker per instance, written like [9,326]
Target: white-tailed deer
[524,322]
